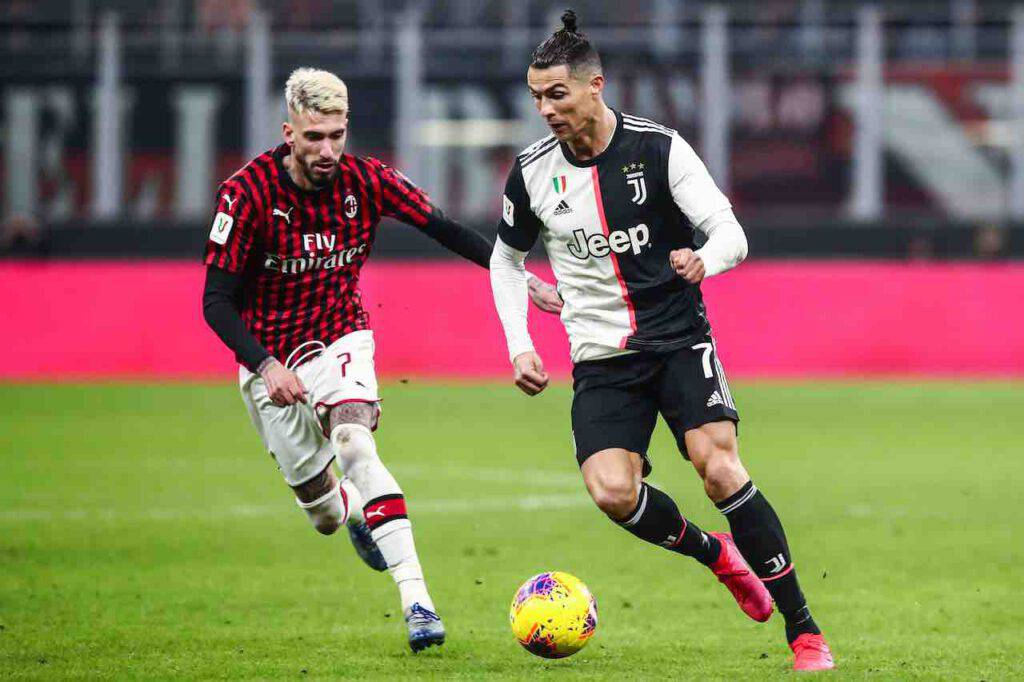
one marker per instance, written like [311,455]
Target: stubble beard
[318,180]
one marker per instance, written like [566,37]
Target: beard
[318,178]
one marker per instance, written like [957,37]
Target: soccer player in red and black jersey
[290,234]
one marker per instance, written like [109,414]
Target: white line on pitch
[426,506]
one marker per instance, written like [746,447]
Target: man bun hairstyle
[567,46]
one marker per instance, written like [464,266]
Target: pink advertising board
[71,320]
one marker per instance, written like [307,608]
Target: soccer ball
[553,615]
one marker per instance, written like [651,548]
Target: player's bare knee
[723,474]
[616,497]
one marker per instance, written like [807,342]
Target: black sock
[759,536]
[657,520]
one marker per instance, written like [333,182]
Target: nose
[325,149]
[545,108]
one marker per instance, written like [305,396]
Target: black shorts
[616,401]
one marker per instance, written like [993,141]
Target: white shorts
[296,435]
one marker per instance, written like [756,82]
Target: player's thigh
[291,434]
[694,391]
[613,407]
[713,443]
[342,382]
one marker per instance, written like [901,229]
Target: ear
[289,133]
[596,84]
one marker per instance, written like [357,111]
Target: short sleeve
[519,225]
[693,188]
[232,230]
[400,198]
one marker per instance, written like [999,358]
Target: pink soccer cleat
[811,653]
[735,574]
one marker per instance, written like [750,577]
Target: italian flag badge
[559,183]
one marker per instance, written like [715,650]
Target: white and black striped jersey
[608,225]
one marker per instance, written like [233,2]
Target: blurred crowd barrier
[143,320]
[121,118]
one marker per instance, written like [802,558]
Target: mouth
[323,167]
[558,127]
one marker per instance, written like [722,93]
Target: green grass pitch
[143,534]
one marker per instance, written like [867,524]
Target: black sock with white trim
[759,536]
[657,520]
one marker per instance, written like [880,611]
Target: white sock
[355,501]
[398,549]
[356,451]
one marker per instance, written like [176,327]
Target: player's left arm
[704,205]
[409,204]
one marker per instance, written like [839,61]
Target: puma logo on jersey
[228,200]
[617,241]
[286,215]
[375,512]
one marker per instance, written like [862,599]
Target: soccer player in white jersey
[616,200]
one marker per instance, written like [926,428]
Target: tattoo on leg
[318,486]
[352,413]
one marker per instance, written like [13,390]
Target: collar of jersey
[571,158]
[286,177]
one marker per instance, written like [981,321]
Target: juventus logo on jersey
[776,563]
[286,215]
[635,178]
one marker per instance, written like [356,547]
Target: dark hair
[566,46]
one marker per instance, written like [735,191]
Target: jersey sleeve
[232,231]
[519,225]
[693,188]
[400,198]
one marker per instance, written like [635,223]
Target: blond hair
[315,91]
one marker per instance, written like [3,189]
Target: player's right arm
[227,250]
[517,232]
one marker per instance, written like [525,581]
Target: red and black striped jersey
[299,252]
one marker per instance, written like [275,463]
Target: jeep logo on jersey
[617,241]
[296,266]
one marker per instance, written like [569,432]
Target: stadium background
[874,154]
[839,132]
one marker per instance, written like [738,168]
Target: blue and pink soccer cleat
[366,548]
